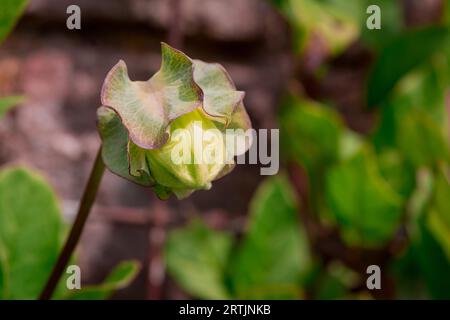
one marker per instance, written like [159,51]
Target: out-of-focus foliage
[363,204]
[9,14]
[31,235]
[274,255]
[319,18]
[402,54]
[317,131]
[197,257]
[439,212]
[361,194]
[338,23]
[335,282]
[423,270]
[271,261]
[370,190]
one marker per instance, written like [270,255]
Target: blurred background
[364,131]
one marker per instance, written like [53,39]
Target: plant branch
[88,198]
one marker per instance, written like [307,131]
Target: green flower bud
[172,132]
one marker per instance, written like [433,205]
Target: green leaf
[428,256]
[196,257]
[421,140]
[408,276]
[364,206]
[425,89]
[350,143]
[320,18]
[336,282]
[9,14]
[340,22]
[274,254]
[121,276]
[6,103]
[418,270]
[432,261]
[397,172]
[400,56]
[310,133]
[30,230]
[439,213]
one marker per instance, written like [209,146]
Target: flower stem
[87,200]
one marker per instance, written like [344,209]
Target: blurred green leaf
[196,257]
[31,234]
[400,56]
[397,172]
[439,214]
[310,133]
[384,136]
[408,277]
[121,276]
[9,14]
[425,89]
[30,227]
[406,270]
[334,22]
[340,22]
[6,103]
[349,144]
[335,282]
[433,262]
[422,91]
[274,254]
[365,207]
[422,142]
[426,260]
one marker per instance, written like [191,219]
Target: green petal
[147,107]
[220,95]
[184,175]
[115,151]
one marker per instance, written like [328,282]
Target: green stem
[87,200]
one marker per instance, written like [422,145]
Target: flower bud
[176,132]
